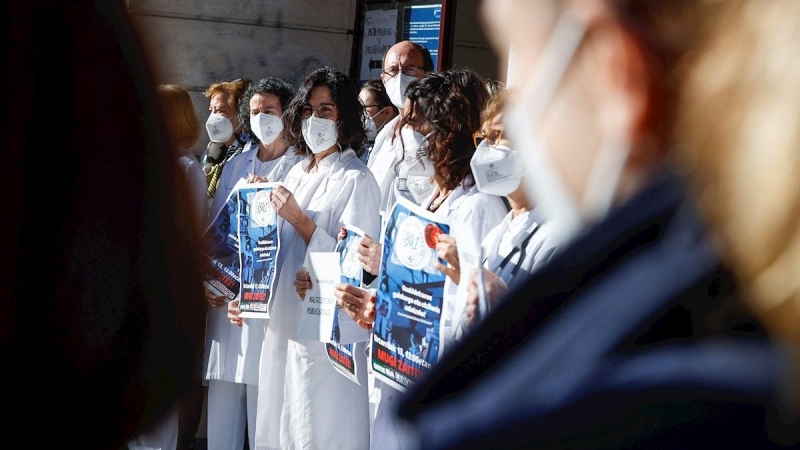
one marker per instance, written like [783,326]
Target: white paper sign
[380,33]
[319,306]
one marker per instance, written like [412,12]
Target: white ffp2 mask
[319,134]
[266,127]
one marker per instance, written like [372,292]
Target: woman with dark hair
[232,354]
[441,113]
[301,395]
[378,111]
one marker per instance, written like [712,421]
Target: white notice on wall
[380,33]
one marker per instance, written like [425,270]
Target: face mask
[543,180]
[497,170]
[396,88]
[266,127]
[415,162]
[219,128]
[371,127]
[319,134]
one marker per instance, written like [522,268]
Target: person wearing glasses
[516,247]
[403,63]
[378,111]
[442,145]
[301,396]
[232,353]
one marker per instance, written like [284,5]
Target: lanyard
[517,249]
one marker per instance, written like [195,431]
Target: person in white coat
[442,146]
[403,63]
[232,354]
[520,244]
[178,426]
[302,399]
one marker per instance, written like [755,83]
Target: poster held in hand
[406,335]
[221,238]
[259,244]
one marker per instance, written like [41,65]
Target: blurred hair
[235,89]
[738,136]
[378,91]
[451,102]
[494,106]
[182,124]
[270,85]
[350,125]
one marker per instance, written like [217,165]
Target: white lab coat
[231,353]
[381,163]
[510,234]
[303,402]
[481,212]
[196,181]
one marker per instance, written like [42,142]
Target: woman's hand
[369,254]
[217,301]
[234,312]
[359,303]
[446,249]
[302,282]
[496,289]
[285,205]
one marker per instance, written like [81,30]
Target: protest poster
[341,355]
[222,241]
[319,308]
[407,331]
[259,244]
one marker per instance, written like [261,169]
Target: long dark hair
[451,102]
[350,125]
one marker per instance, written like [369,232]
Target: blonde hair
[184,128]
[738,135]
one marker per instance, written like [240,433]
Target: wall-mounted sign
[422,24]
[380,32]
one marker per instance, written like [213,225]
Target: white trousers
[230,407]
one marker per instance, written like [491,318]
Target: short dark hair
[270,85]
[350,126]
[378,91]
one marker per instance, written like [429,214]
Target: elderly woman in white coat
[301,396]
[232,353]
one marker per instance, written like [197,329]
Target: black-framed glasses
[324,111]
[409,70]
[492,137]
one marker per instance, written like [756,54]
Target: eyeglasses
[324,111]
[410,70]
[493,137]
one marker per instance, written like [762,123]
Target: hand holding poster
[319,307]
[259,246]
[407,329]
[341,355]
[222,241]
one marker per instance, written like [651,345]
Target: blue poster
[222,242]
[406,333]
[422,24]
[341,355]
[259,246]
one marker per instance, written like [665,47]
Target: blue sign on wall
[422,24]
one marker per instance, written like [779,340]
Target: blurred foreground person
[100,269]
[642,332]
